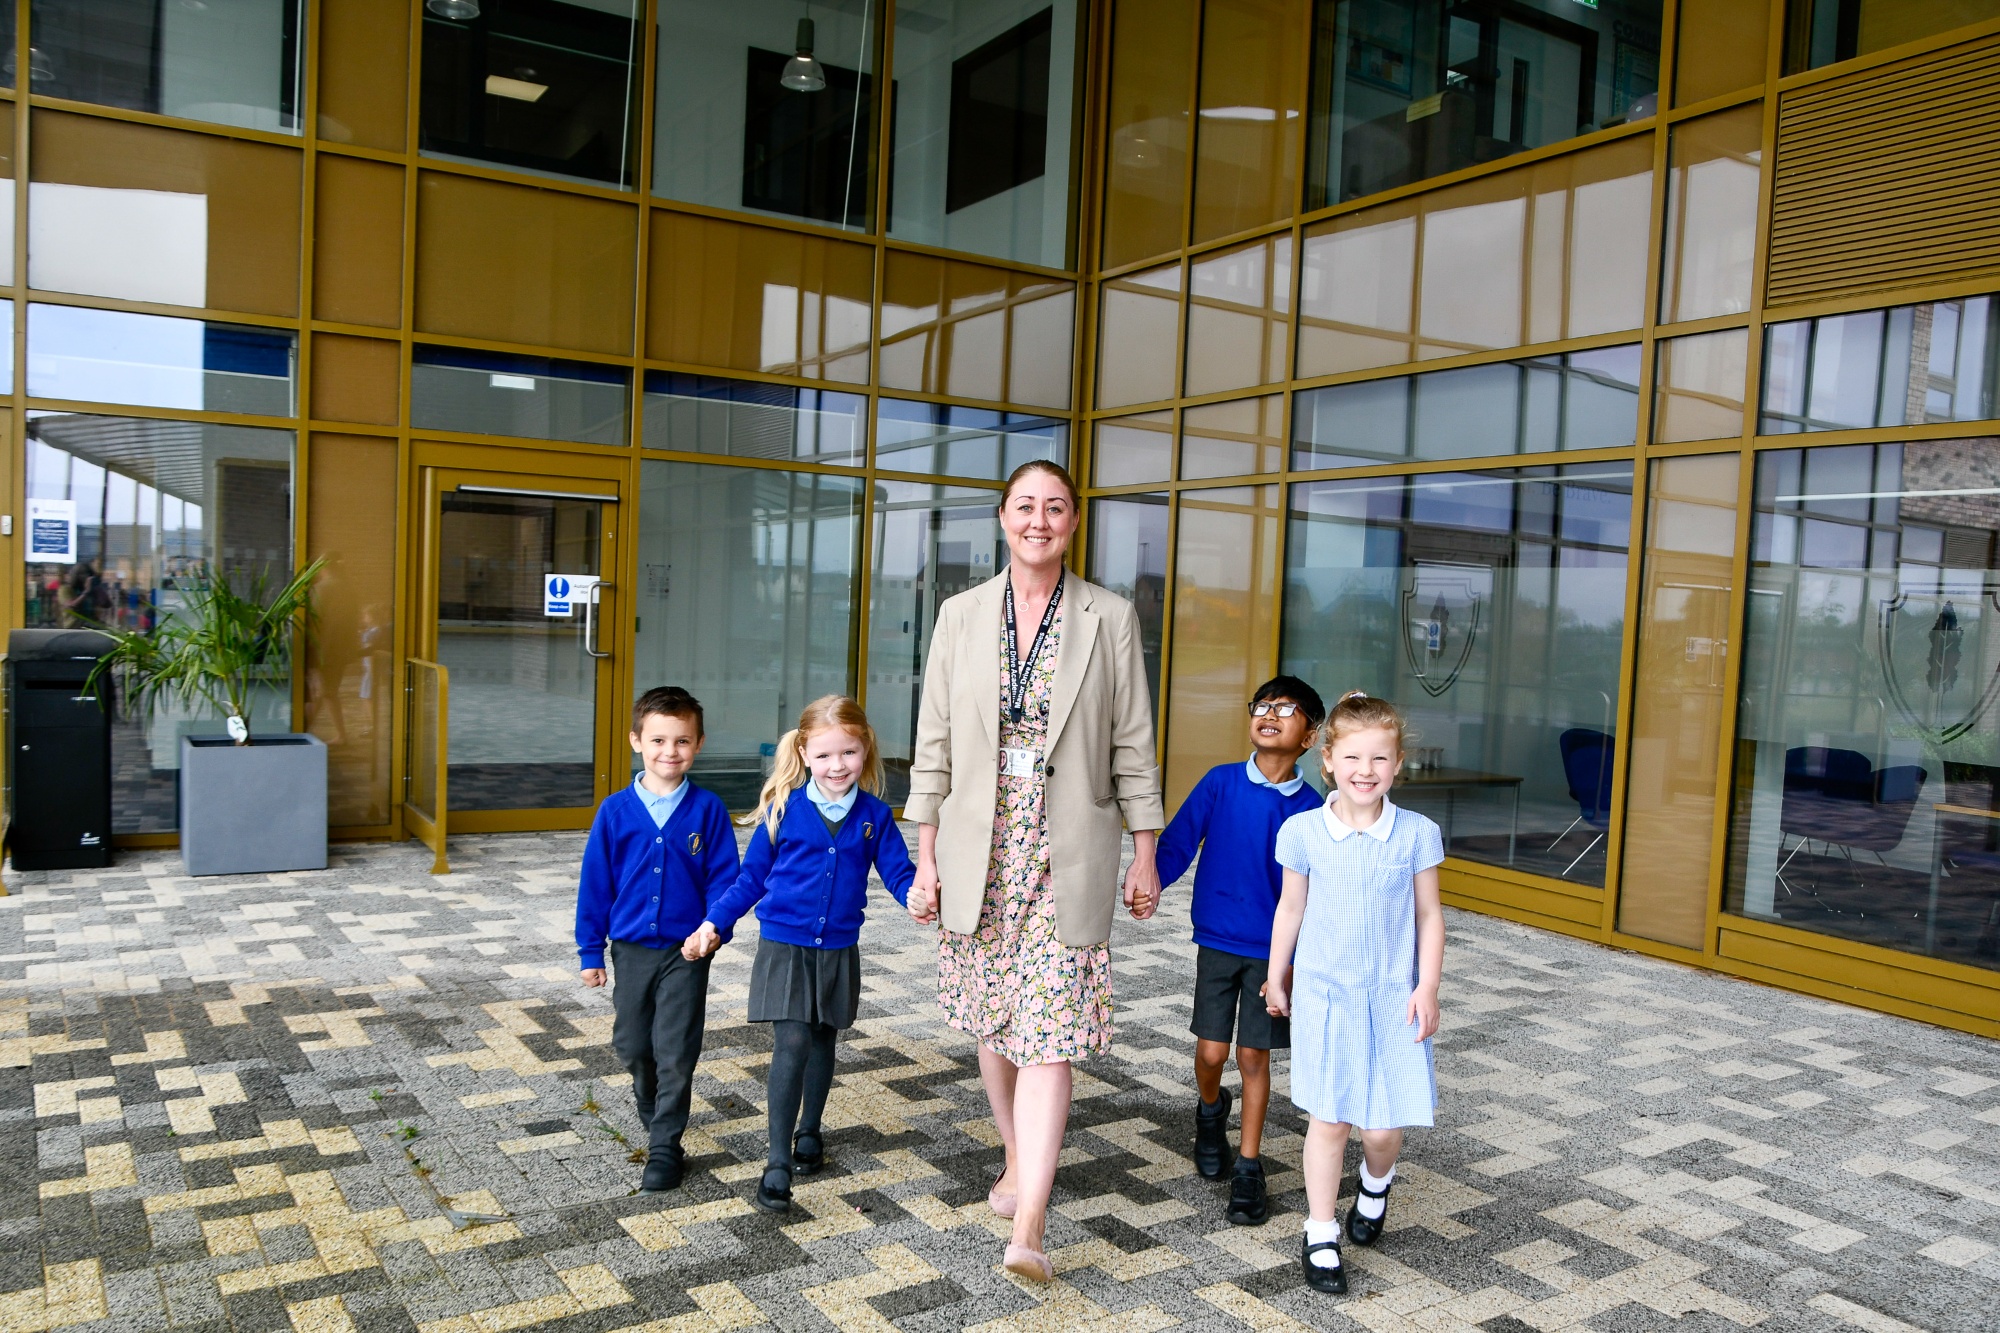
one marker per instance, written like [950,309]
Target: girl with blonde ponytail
[820,829]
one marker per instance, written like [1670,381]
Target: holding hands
[705,941]
[923,899]
[1277,992]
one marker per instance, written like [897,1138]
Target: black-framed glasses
[1265,708]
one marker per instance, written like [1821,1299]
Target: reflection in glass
[1225,604]
[728,133]
[1866,802]
[1239,333]
[112,356]
[974,331]
[1939,361]
[7,346]
[982,131]
[1819,32]
[523,696]
[138,245]
[1146,129]
[1233,439]
[543,86]
[1490,606]
[931,543]
[1678,697]
[1247,119]
[124,515]
[1138,337]
[535,397]
[1128,555]
[1711,235]
[747,580]
[1700,382]
[1133,451]
[229,62]
[963,441]
[1574,400]
[1403,92]
[701,414]
[1543,252]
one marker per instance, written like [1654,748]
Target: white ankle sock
[1373,1208]
[1319,1233]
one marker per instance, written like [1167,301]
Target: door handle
[590,621]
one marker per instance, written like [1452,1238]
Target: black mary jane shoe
[1367,1230]
[774,1191]
[1211,1138]
[663,1172]
[808,1155]
[1248,1204]
[1332,1281]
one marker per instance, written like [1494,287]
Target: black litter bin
[59,741]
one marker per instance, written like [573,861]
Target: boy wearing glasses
[1232,817]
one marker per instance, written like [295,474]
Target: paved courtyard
[373,1099]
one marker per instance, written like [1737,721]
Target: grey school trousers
[661,1004]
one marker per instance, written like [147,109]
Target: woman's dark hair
[1300,693]
[1048,465]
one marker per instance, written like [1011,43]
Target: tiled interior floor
[273,1102]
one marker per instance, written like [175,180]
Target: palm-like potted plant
[248,804]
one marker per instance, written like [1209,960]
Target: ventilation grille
[1890,178]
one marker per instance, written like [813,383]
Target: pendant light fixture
[462,10]
[802,72]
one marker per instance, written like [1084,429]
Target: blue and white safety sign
[562,593]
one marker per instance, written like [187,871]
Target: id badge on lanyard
[1018,763]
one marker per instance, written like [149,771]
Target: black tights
[801,1077]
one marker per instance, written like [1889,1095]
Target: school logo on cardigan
[694,844]
[867,832]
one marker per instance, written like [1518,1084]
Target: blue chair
[1586,759]
[1841,799]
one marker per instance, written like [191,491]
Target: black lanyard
[1019,671]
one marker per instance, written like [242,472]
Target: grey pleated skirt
[792,981]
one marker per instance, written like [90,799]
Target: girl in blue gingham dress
[1356,951]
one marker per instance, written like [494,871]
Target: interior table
[1451,780]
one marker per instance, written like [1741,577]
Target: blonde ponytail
[788,770]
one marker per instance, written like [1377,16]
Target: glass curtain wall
[1405,91]
[229,62]
[542,86]
[1867,785]
[983,127]
[126,516]
[930,543]
[1128,555]
[768,106]
[746,597]
[1491,606]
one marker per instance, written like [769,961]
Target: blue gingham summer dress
[1354,1054]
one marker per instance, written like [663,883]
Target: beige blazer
[1100,761]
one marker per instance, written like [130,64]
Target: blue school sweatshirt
[1234,823]
[811,887]
[648,884]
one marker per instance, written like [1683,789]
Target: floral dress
[1013,983]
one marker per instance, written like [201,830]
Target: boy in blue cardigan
[1232,817]
[659,851]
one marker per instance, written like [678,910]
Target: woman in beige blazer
[1034,749]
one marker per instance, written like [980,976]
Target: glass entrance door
[521,624]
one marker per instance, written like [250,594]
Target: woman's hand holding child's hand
[1423,1012]
[1277,992]
[702,943]
[593,976]
[923,898]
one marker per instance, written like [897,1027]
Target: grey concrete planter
[251,809]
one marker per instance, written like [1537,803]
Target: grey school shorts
[1227,1005]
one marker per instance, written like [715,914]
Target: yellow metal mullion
[1169,597]
[12,601]
[306,99]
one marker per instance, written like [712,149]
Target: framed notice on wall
[52,532]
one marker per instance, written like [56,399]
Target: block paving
[372,1098]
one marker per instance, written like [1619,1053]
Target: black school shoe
[1248,1206]
[1332,1281]
[664,1169]
[1367,1230]
[808,1155]
[1211,1137]
[774,1191]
